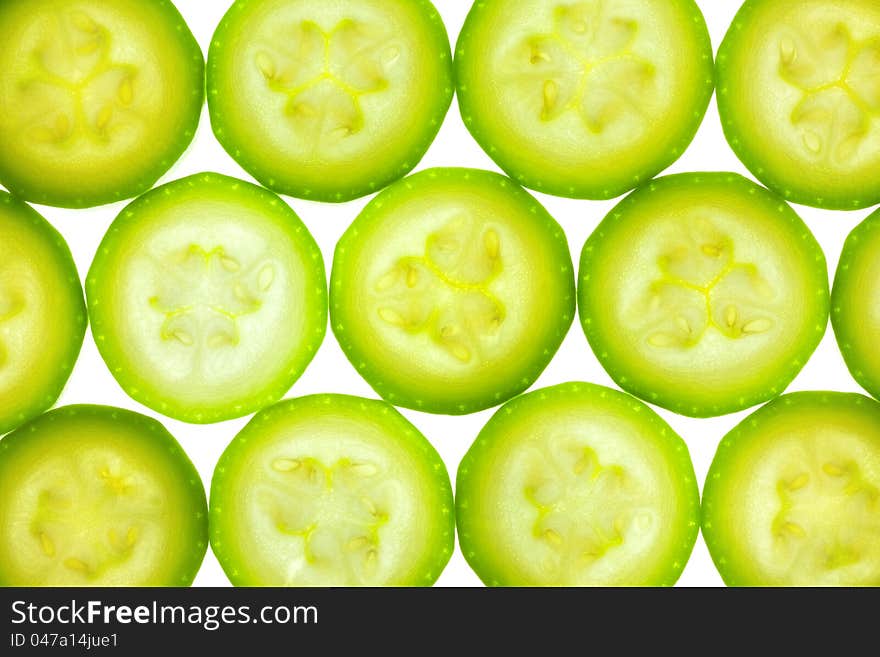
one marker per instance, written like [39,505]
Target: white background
[331,372]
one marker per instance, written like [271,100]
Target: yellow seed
[661,340]
[286,465]
[267,277]
[47,545]
[83,22]
[787,51]
[812,141]
[551,97]
[412,276]
[461,352]
[229,264]
[358,543]
[711,250]
[493,244]
[77,565]
[183,337]
[757,326]
[367,502]
[88,47]
[220,340]
[391,55]
[832,470]
[553,537]
[266,65]
[372,557]
[580,27]
[342,132]
[131,536]
[730,316]
[104,117]
[683,324]
[125,92]
[364,469]
[387,281]
[799,482]
[794,529]
[392,316]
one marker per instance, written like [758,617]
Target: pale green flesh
[42,313]
[800,99]
[695,275]
[207,298]
[99,98]
[554,92]
[577,485]
[451,291]
[793,495]
[331,491]
[329,100]
[95,496]
[855,303]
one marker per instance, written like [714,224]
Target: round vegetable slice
[703,293]
[99,97]
[208,298]
[98,496]
[799,98]
[793,495]
[452,290]
[331,490]
[584,99]
[855,303]
[329,100]
[42,313]
[577,485]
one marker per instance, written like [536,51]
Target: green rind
[222,482]
[627,377]
[472,470]
[145,180]
[786,186]
[154,435]
[74,290]
[470,111]
[844,314]
[375,375]
[732,570]
[315,303]
[271,176]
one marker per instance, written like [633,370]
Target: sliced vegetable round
[42,313]
[208,298]
[329,100]
[99,97]
[451,291]
[855,303]
[793,495]
[703,293]
[577,485]
[331,490]
[586,99]
[98,496]
[799,98]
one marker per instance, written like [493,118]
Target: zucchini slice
[577,485]
[331,490]
[799,97]
[703,293]
[329,101]
[208,298]
[99,97]
[98,496]
[42,313]
[793,495]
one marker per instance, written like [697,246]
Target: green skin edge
[726,563]
[79,321]
[470,472]
[602,345]
[149,430]
[845,319]
[148,177]
[431,567]
[786,186]
[588,191]
[336,190]
[317,303]
[374,375]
